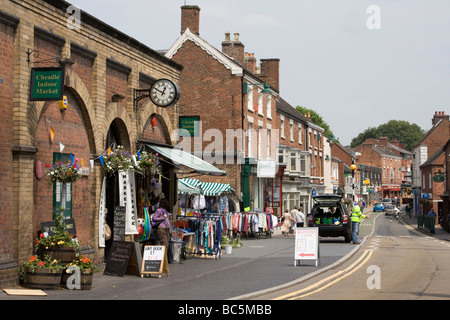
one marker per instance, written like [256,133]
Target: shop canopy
[194,186]
[180,157]
[214,189]
[188,186]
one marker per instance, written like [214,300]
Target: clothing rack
[205,244]
[250,224]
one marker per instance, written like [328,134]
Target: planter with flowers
[86,268]
[60,246]
[41,273]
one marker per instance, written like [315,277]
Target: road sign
[306,244]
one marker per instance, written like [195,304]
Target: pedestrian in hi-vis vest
[357,217]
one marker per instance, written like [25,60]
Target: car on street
[330,216]
[379,206]
[388,209]
[386,201]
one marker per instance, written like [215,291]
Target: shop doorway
[113,138]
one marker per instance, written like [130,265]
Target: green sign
[190,124]
[47,84]
[439,177]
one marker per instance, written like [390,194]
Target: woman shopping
[161,222]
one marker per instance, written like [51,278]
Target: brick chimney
[190,18]
[383,141]
[439,115]
[250,62]
[234,48]
[271,68]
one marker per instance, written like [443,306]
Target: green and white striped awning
[214,189]
[189,186]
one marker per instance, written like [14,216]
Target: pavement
[257,259]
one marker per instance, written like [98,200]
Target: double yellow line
[337,277]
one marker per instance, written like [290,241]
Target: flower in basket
[146,163]
[63,172]
[117,160]
[84,263]
[35,263]
[60,237]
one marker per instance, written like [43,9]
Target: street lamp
[354,167]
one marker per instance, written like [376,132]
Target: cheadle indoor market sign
[47,84]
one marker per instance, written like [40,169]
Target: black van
[330,215]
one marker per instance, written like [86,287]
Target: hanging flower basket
[65,172]
[120,160]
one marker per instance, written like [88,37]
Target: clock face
[164,93]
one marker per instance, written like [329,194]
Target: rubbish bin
[175,251]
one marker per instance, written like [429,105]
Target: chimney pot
[190,18]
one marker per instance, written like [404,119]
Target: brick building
[429,159]
[102,68]
[224,90]
[393,160]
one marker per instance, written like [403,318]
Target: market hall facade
[102,70]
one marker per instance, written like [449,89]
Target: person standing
[163,229]
[287,223]
[300,217]
[357,217]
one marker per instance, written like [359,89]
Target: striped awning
[188,186]
[214,189]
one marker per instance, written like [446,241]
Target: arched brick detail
[161,114]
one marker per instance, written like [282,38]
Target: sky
[357,63]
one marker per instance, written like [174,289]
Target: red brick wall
[116,83]
[207,85]
[6,139]
[83,68]
[437,138]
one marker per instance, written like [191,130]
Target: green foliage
[403,131]
[317,119]
[60,237]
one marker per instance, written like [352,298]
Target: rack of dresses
[252,224]
[207,231]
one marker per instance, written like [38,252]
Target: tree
[403,131]
[317,119]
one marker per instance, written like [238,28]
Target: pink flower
[41,263]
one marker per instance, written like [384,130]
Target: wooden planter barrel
[64,255]
[85,279]
[43,278]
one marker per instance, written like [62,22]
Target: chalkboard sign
[119,224]
[117,262]
[47,227]
[153,260]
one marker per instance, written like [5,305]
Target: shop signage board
[306,245]
[191,124]
[47,84]
[153,260]
[117,261]
[119,224]
[47,227]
